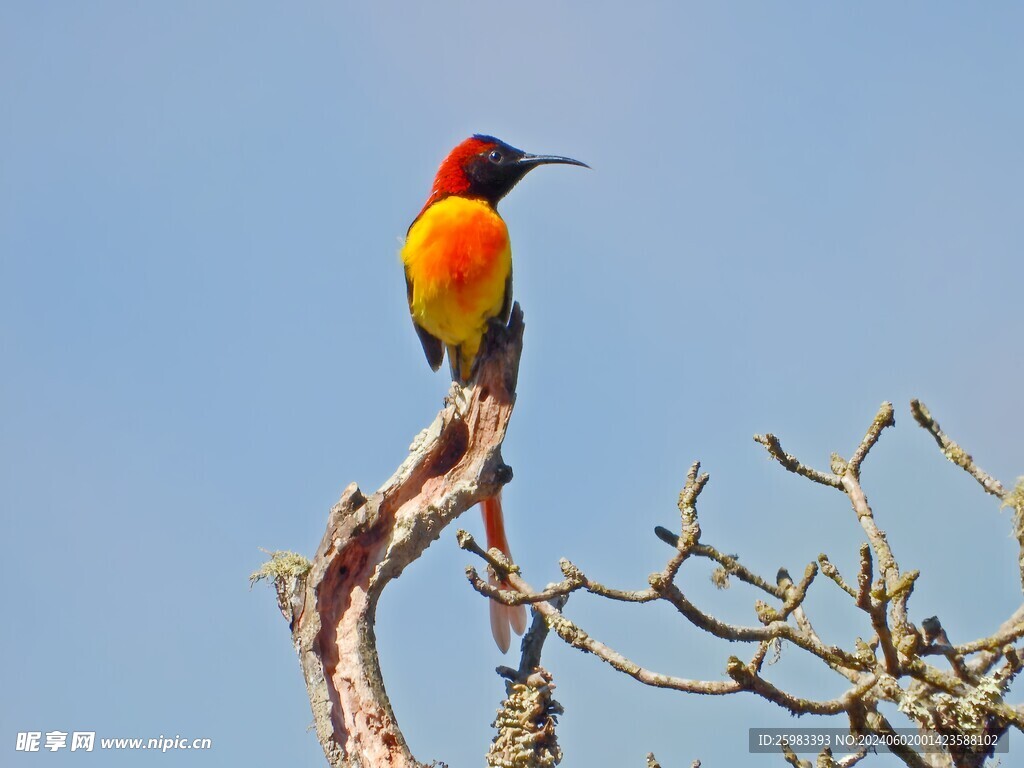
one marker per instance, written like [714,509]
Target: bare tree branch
[1013,499]
[452,465]
[952,451]
[774,447]
[939,703]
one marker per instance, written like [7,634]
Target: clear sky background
[796,211]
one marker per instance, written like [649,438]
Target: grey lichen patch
[571,572]
[568,631]
[957,455]
[886,416]
[966,714]
[971,708]
[765,613]
[838,465]
[526,725]
[720,578]
[1015,500]
[281,568]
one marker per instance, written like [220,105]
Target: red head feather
[451,178]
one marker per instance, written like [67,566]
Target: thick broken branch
[452,465]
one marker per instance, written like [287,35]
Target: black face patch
[494,172]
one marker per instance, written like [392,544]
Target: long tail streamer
[503,617]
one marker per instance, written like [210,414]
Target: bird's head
[487,168]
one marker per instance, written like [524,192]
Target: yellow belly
[457,258]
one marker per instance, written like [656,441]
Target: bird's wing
[506,302]
[432,346]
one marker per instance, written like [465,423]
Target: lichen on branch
[890,667]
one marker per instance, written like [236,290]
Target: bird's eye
[495,156]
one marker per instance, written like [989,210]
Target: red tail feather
[502,616]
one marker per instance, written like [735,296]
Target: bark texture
[331,605]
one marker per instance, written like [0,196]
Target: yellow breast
[457,258]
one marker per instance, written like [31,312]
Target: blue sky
[796,211]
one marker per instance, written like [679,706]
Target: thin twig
[774,448]
[729,563]
[832,572]
[884,418]
[952,451]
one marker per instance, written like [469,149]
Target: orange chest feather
[458,264]
[455,243]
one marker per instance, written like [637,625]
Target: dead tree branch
[1014,499]
[330,603]
[965,706]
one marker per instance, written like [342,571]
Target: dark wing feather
[455,364]
[506,304]
[432,346]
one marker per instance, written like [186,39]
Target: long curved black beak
[528,161]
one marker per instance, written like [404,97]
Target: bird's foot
[456,397]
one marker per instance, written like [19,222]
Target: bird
[458,274]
